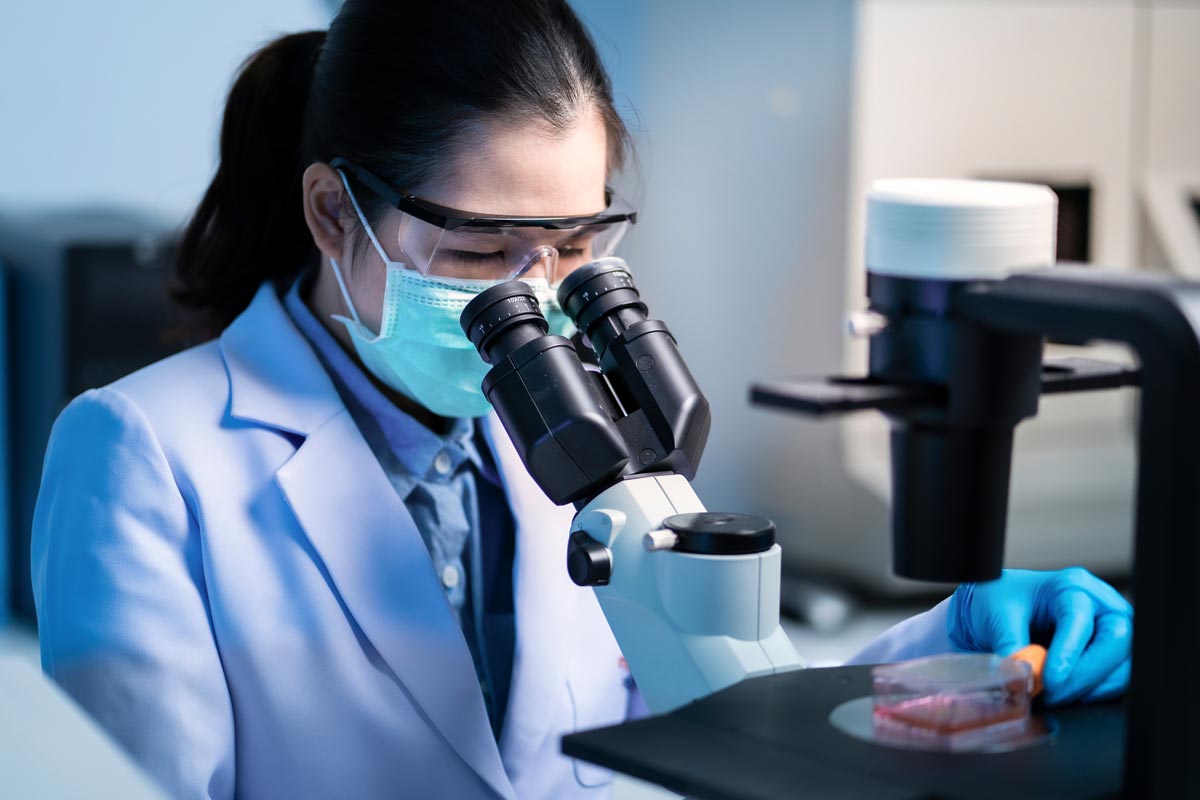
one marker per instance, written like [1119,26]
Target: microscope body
[689,623]
[615,424]
[962,296]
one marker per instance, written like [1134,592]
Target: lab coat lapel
[275,378]
[369,543]
[360,527]
[544,597]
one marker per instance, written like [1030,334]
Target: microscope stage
[770,738]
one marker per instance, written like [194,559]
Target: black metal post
[1160,319]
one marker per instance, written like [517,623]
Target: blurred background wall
[119,101]
[758,125]
[109,113]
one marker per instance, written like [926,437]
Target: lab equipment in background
[51,750]
[691,596]
[960,310]
[1116,134]
[88,305]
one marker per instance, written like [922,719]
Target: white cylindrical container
[945,229]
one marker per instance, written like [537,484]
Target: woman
[300,560]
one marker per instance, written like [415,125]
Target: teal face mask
[420,350]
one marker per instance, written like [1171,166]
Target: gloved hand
[1088,623]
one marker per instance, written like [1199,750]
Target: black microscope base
[769,738]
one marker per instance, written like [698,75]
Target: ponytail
[249,227]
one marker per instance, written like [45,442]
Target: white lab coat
[227,581]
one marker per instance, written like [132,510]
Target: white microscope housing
[689,623]
[614,422]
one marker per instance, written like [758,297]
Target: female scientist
[302,560]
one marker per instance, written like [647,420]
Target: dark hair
[394,86]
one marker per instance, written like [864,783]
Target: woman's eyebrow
[578,233]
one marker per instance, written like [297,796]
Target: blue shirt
[452,488]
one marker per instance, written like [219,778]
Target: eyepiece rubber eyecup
[498,309]
[599,291]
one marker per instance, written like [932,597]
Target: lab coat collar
[369,543]
[545,600]
[360,528]
[275,378]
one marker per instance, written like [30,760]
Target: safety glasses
[446,242]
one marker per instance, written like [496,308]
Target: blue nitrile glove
[1091,624]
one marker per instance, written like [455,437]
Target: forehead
[528,170]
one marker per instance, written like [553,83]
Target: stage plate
[770,738]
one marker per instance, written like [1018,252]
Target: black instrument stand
[770,739]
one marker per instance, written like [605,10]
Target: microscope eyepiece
[601,299]
[665,415]
[637,409]
[501,318]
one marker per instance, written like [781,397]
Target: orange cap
[1035,656]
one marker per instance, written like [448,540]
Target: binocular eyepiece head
[577,428]
[542,394]
[600,298]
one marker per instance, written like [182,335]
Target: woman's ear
[323,191]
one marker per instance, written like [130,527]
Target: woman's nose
[541,262]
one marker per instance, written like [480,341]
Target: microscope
[962,296]
[615,423]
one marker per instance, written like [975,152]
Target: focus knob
[589,563]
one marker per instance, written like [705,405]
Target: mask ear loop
[363,219]
[337,270]
[337,273]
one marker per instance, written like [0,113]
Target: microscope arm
[1159,318]
[688,623]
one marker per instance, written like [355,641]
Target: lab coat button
[442,463]
[450,576]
